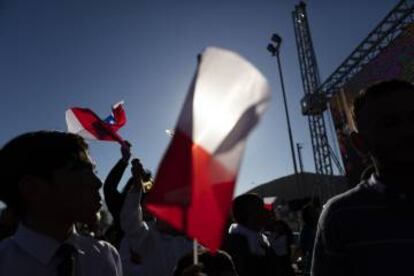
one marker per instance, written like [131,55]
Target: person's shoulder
[96,246]
[351,201]
[100,254]
[360,194]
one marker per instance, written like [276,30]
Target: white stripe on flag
[230,96]
[74,126]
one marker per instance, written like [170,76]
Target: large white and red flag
[87,124]
[195,181]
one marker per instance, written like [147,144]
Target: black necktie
[67,255]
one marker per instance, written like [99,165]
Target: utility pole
[274,49]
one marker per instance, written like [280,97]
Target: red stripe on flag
[196,174]
[174,174]
[93,124]
[268,207]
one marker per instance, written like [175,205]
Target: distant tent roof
[307,185]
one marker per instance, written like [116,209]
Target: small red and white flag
[87,124]
[194,185]
[268,202]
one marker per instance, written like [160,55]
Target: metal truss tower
[316,95]
[383,34]
[314,103]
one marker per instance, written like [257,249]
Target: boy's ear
[359,143]
[31,187]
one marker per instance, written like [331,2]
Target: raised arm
[113,197]
[131,213]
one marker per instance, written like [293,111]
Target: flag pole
[195,251]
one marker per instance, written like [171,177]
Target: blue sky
[93,53]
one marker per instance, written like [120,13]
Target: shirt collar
[40,246]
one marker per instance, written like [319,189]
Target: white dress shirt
[34,254]
[159,252]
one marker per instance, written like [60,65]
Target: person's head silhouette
[384,117]
[248,210]
[49,179]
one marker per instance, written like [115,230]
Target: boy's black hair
[37,154]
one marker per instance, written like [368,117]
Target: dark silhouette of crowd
[54,224]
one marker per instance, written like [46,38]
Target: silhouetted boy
[48,178]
